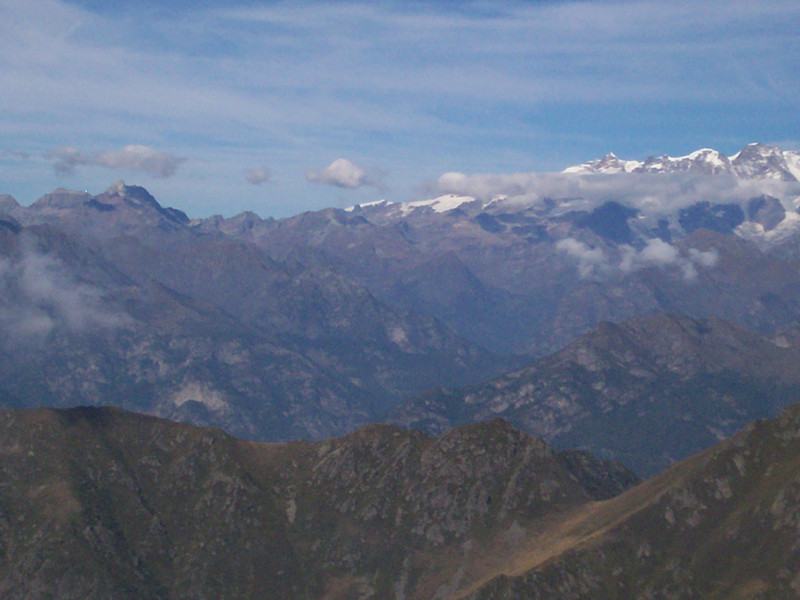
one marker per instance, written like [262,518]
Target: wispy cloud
[258,175]
[38,296]
[134,157]
[15,154]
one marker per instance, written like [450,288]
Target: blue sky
[280,107]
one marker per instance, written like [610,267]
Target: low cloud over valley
[38,296]
[651,194]
[596,262]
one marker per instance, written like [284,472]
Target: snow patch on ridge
[793,163]
[374,203]
[440,204]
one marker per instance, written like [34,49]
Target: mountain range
[112,298]
[98,503]
[544,340]
[314,325]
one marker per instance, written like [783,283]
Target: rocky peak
[705,377]
[120,210]
[8,204]
[610,163]
[696,531]
[757,161]
[139,198]
[766,210]
[705,160]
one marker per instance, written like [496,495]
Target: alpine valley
[451,397]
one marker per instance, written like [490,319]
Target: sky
[281,107]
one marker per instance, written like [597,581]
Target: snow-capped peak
[754,161]
[608,164]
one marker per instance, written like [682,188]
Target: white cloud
[594,263]
[489,185]
[258,175]
[135,157]
[342,173]
[140,158]
[707,258]
[591,261]
[658,252]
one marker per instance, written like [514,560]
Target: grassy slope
[722,524]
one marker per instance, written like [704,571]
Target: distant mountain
[120,210]
[129,305]
[649,392]
[98,503]
[527,279]
[754,161]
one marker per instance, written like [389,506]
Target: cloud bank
[135,157]
[650,193]
[342,173]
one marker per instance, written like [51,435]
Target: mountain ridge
[324,321]
[98,502]
[126,506]
[648,391]
[719,525]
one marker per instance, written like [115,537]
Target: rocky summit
[754,161]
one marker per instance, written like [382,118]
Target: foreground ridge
[99,503]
